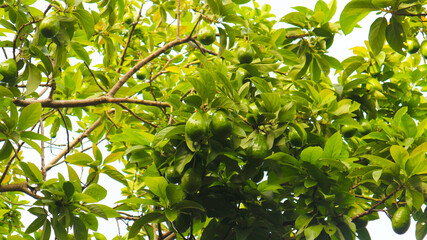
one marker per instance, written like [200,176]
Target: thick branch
[73,144]
[18,187]
[143,62]
[87,102]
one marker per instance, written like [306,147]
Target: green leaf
[295,18]
[187,204]
[222,42]
[79,159]
[138,224]
[363,233]
[241,1]
[34,136]
[174,194]
[30,115]
[86,20]
[377,34]
[333,146]
[421,230]
[34,79]
[311,154]
[353,12]
[33,144]
[271,101]
[31,171]
[312,232]
[6,150]
[167,132]
[157,185]
[80,230]
[45,60]
[414,199]
[81,52]
[59,229]
[114,174]
[395,35]
[399,155]
[417,163]
[36,224]
[45,235]
[68,188]
[81,197]
[94,208]
[96,191]
[4,92]
[90,221]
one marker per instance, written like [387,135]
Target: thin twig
[9,163]
[73,143]
[178,15]
[42,167]
[122,58]
[94,78]
[136,116]
[66,129]
[370,210]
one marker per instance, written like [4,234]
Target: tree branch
[370,210]
[143,62]
[19,187]
[73,144]
[86,102]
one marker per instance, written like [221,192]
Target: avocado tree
[217,123]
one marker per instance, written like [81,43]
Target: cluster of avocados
[413,46]
[49,28]
[207,36]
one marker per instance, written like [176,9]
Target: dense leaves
[216,123]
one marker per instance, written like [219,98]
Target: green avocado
[196,127]
[8,70]
[245,54]
[221,126]
[258,149]
[401,220]
[207,35]
[191,181]
[50,26]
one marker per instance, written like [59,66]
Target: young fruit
[366,127]
[141,74]
[360,222]
[191,181]
[412,45]
[221,125]
[348,131]
[245,54]
[401,220]
[128,18]
[206,35]
[8,70]
[295,138]
[172,175]
[258,149]
[49,27]
[423,49]
[196,127]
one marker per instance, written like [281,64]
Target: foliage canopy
[302,145]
